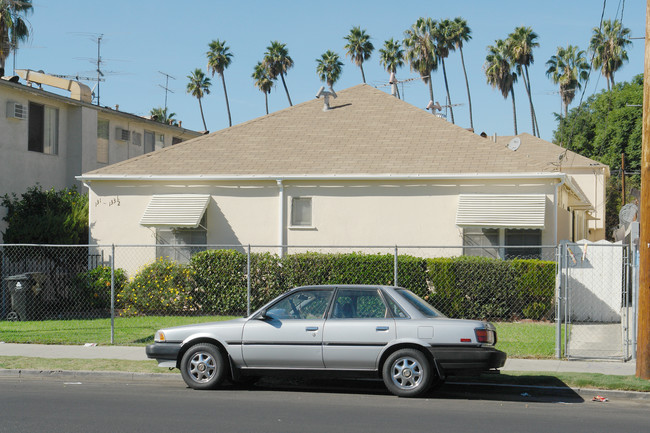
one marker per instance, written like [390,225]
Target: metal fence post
[395,268]
[113,294]
[558,304]
[248,282]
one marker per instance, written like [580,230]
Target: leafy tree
[160,114]
[602,128]
[499,73]
[608,45]
[421,50]
[46,217]
[263,82]
[391,57]
[359,47]
[13,28]
[277,61]
[329,67]
[219,58]
[568,68]
[520,47]
[461,34]
[199,86]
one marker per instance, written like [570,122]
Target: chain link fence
[122,294]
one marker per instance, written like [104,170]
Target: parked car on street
[340,330]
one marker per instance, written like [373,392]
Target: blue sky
[141,38]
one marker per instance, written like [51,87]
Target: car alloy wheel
[202,366]
[407,373]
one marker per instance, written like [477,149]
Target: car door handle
[382,328]
[311,328]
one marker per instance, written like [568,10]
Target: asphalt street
[92,404]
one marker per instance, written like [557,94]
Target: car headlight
[160,337]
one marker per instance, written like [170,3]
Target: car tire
[407,373]
[203,366]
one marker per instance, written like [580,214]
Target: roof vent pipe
[326,95]
[494,137]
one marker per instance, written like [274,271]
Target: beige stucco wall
[593,182]
[356,213]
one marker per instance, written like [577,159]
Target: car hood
[180,333]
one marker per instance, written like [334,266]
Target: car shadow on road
[555,392]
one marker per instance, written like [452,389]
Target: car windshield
[419,304]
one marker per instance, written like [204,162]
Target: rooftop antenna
[166,86]
[99,63]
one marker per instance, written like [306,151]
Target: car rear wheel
[407,373]
[203,366]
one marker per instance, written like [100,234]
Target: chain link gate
[593,301]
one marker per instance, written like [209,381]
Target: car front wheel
[203,366]
[407,373]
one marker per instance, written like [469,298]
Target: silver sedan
[339,329]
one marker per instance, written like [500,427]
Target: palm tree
[329,68]
[160,114]
[391,57]
[13,28]
[199,86]
[608,46]
[277,62]
[359,47]
[421,50]
[444,39]
[499,73]
[462,33]
[568,68]
[263,82]
[219,58]
[521,42]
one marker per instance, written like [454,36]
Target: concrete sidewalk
[137,354]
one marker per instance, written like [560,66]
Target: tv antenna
[166,86]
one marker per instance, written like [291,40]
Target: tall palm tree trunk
[225,93]
[363,76]
[451,109]
[469,98]
[532,106]
[530,101]
[431,92]
[514,108]
[266,102]
[205,128]
[285,89]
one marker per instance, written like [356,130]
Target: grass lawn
[136,331]
[518,340]
[527,339]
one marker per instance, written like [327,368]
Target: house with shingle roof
[371,170]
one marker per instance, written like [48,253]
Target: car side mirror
[262,315]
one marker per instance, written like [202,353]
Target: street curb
[586,393]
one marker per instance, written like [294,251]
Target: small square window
[301,212]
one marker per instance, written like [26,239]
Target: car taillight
[485,336]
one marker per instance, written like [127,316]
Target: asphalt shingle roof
[367,131]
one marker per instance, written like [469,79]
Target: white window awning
[501,210]
[175,210]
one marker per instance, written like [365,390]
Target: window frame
[292,222]
[40,137]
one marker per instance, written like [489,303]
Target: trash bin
[25,294]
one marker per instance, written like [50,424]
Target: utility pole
[643,334]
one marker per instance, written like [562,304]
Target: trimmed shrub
[162,287]
[220,277]
[92,289]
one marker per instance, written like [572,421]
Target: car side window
[358,304]
[305,304]
[397,311]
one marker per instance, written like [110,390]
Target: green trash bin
[25,294]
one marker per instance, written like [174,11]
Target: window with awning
[501,210]
[175,210]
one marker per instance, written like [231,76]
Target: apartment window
[149,141]
[102,141]
[301,210]
[43,129]
[180,243]
[502,243]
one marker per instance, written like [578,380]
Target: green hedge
[216,282]
[92,289]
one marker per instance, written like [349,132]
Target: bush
[92,289]
[162,287]
[221,283]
